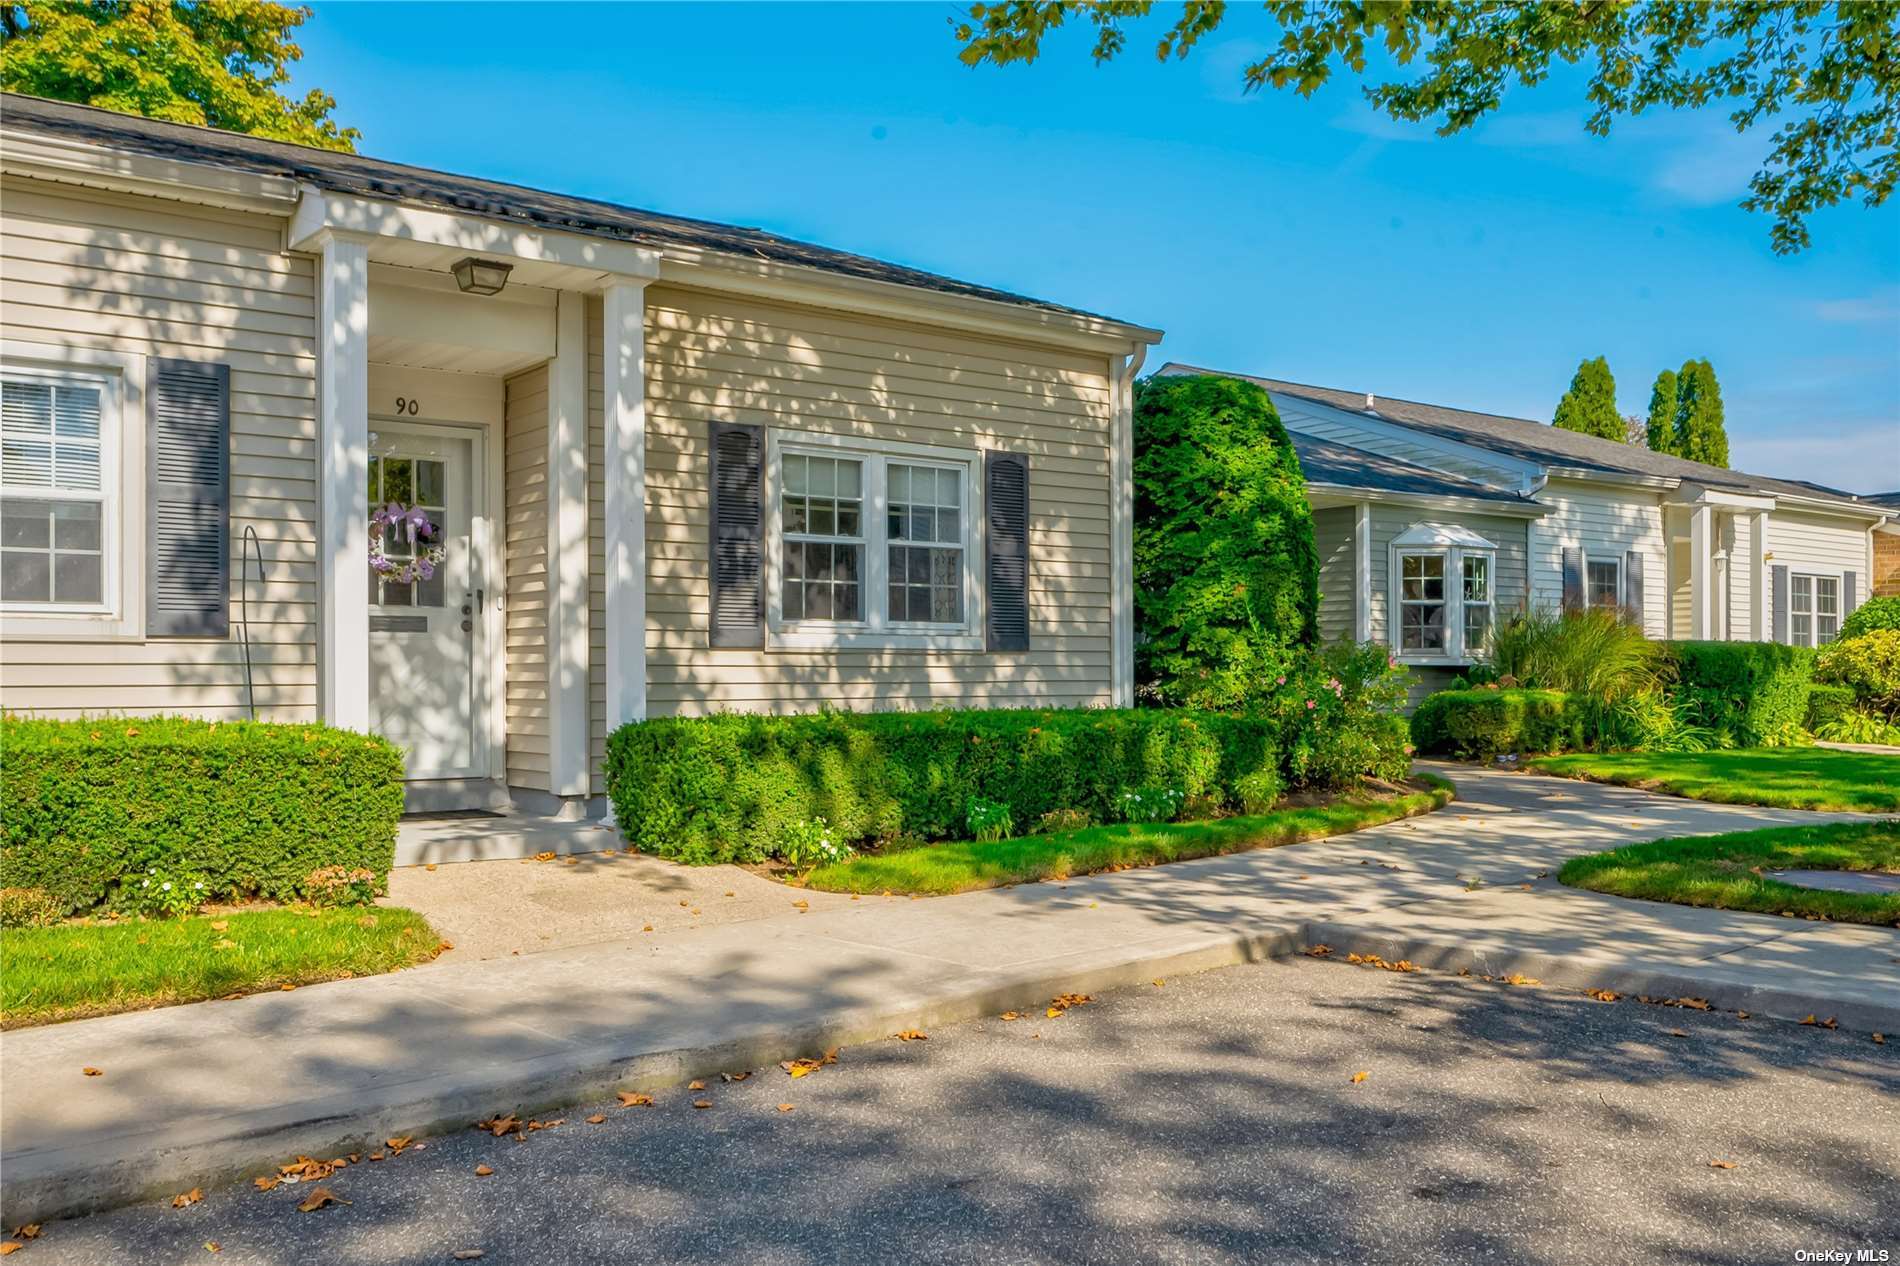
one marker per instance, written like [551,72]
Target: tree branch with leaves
[1826,75]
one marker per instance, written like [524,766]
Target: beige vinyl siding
[1605,523]
[802,369]
[525,528]
[1821,545]
[154,278]
[1333,534]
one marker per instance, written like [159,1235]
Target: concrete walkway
[197,1095]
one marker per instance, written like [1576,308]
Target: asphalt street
[1213,1118]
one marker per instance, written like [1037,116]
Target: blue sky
[1308,239]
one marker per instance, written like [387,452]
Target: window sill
[1415,660]
[860,638]
[18,625]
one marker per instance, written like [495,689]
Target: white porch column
[1700,563]
[1121,525]
[623,365]
[568,772]
[1362,572]
[343,479]
[1758,576]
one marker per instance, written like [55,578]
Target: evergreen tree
[1699,433]
[1699,430]
[1661,433]
[1590,404]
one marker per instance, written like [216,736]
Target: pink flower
[1409,749]
[1309,703]
[1280,680]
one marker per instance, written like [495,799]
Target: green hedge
[1747,693]
[1828,703]
[250,808]
[727,787]
[1479,724]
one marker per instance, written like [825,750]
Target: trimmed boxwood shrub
[1479,724]
[1828,703]
[1749,694]
[250,808]
[730,787]
[1875,613]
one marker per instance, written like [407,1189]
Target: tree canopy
[1826,75]
[1226,570]
[1590,404]
[1700,434]
[1660,433]
[217,63]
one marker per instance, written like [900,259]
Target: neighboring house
[1887,547]
[675,466]
[1433,521]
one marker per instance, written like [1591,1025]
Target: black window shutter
[1573,579]
[1633,585]
[188,500]
[737,601]
[1006,550]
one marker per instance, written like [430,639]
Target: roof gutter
[1432,500]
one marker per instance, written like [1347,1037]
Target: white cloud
[1881,305]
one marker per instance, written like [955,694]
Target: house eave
[1349,495]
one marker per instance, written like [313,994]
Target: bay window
[1444,593]
[871,543]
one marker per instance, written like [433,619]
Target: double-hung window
[1814,609]
[1603,582]
[1477,600]
[56,475]
[872,543]
[1423,602]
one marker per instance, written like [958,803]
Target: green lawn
[1780,777]
[1721,871]
[939,869]
[73,969]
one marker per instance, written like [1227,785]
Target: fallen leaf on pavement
[695,1085]
[212,1246]
[304,1169]
[647,928]
[545,856]
[1160,983]
[597,1118]
[1360,1076]
[1697,1004]
[483,1171]
[318,1198]
[1519,978]
[10,1246]
[912,1035]
[499,1125]
[188,1198]
[266,1183]
[1012,1015]
[1810,1019]
[31,1231]
[1318,951]
[785,1107]
[94,1072]
[734,1076]
[1677,1033]
[802,1067]
[1880,1039]
[634,1099]
[396,1145]
[1721,1164]
[702,1103]
[1602,995]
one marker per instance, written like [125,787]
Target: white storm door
[425,635]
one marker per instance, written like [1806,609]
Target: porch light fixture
[480,276]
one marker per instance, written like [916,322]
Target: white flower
[145,883]
[199,885]
[166,886]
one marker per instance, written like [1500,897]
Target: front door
[425,630]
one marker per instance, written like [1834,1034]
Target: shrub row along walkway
[212,1092]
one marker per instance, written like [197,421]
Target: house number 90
[408,407]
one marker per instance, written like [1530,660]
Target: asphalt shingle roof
[1531,441]
[369,177]
[1325,462]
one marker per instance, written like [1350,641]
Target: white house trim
[343,477]
[567,528]
[1362,572]
[1701,603]
[623,382]
[1121,514]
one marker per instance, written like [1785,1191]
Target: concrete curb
[43,1185]
[1620,976]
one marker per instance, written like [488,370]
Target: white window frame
[120,377]
[1591,560]
[1490,603]
[1838,580]
[875,629]
[1453,543]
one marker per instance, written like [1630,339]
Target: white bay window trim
[119,615]
[1452,544]
[874,628]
